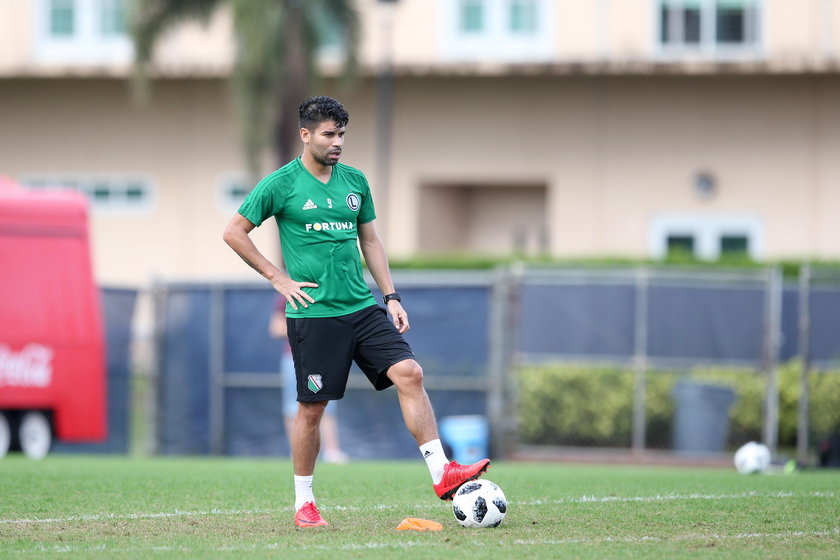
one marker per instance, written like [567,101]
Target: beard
[325,159]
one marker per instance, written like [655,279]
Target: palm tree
[274,68]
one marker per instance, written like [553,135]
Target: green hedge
[586,405]
[473,261]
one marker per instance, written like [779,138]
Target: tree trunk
[295,86]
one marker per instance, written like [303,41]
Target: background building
[568,128]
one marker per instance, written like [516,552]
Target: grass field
[107,507]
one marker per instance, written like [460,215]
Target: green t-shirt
[318,226]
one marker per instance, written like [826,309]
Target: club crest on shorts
[315,382]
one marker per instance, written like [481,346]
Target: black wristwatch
[392,296]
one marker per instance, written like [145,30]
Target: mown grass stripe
[430,505]
[372,545]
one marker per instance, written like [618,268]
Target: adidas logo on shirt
[309,205]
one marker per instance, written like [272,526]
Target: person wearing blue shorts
[331,452]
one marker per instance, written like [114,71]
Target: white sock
[303,491]
[432,452]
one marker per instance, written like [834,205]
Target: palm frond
[346,18]
[276,43]
[149,20]
[258,69]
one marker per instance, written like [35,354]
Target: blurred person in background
[332,452]
[325,213]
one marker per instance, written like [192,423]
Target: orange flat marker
[416,524]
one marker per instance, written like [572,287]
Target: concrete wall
[607,155]
[612,154]
[616,152]
[792,33]
[184,142]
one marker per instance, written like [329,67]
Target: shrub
[572,404]
[567,405]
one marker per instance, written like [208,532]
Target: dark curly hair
[316,110]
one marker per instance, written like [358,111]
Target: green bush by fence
[563,404]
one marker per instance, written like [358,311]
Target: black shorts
[324,347]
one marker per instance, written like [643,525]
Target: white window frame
[496,42]
[117,205]
[708,47]
[88,46]
[707,230]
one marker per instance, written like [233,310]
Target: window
[135,193]
[112,18]
[497,30]
[100,193]
[62,18]
[523,16]
[232,192]
[82,32]
[706,236]
[472,16]
[680,245]
[734,245]
[733,24]
[711,27]
[105,194]
[680,23]
[331,36]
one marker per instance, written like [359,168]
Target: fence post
[217,375]
[772,339]
[640,335]
[160,298]
[803,413]
[501,396]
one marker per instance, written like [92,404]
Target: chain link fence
[549,356]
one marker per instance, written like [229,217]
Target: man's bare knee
[311,412]
[406,374]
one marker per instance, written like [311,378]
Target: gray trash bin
[701,418]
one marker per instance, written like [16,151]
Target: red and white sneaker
[309,516]
[454,475]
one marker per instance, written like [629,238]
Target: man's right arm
[236,236]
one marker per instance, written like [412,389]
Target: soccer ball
[479,503]
[752,458]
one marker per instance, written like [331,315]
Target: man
[323,209]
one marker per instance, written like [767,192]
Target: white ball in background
[752,458]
